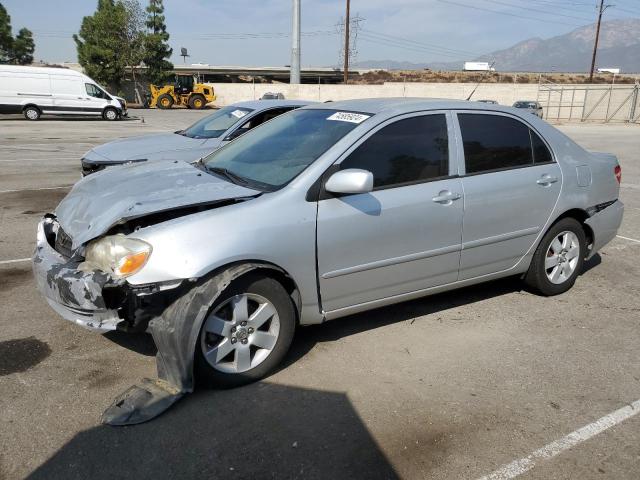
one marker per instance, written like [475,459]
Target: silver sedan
[200,139]
[325,211]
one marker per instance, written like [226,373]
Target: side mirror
[351,180]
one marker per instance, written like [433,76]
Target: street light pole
[294,75]
[346,44]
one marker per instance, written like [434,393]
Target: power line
[508,13]
[432,46]
[537,10]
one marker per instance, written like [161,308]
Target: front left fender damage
[175,332]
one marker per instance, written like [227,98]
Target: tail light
[618,173]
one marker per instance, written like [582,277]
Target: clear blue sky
[457,28]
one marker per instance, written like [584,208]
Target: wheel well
[581,216]
[268,270]
[31,105]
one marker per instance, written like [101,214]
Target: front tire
[110,114]
[246,334]
[197,101]
[165,101]
[558,259]
[32,113]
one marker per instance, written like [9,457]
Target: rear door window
[494,142]
[411,150]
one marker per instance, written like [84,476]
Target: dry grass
[379,77]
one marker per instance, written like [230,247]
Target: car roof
[264,104]
[401,105]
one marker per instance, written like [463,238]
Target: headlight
[118,255]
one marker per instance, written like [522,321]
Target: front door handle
[546,180]
[445,197]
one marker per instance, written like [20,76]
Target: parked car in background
[192,143]
[323,212]
[532,107]
[490,102]
[37,91]
[272,96]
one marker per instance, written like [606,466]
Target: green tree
[23,47]
[101,41]
[6,39]
[157,50]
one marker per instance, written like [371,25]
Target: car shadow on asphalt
[260,431]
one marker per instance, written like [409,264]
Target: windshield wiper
[229,175]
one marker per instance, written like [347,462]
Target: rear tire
[197,101]
[32,113]
[233,350]
[110,114]
[558,259]
[165,101]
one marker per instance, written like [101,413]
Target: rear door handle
[546,180]
[445,197]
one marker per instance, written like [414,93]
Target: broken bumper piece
[75,295]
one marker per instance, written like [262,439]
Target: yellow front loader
[184,92]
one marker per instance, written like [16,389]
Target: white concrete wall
[506,94]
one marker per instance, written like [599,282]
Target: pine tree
[157,50]
[6,39]
[101,40]
[23,47]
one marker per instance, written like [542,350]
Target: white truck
[615,71]
[478,67]
[34,91]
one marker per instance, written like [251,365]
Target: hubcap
[111,114]
[562,257]
[32,114]
[240,333]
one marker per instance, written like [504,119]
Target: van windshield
[274,153]
[216,124]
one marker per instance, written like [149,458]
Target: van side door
[68,94]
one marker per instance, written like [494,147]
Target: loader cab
[184,84]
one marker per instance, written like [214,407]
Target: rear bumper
[75,295]
[605,225]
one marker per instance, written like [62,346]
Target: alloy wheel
[240,333]
[562,257]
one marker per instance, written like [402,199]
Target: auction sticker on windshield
[348,117]
[238,113]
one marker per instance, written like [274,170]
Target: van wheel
[165,101]
[197,102]
[32,113]
[559,258]
[110,114]
[247,333]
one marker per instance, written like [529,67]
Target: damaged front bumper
[93,299]
[75,295]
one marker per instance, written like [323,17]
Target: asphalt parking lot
[452,386]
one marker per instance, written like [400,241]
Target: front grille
[63,243]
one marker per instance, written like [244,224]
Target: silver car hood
[146,147]
[99,201]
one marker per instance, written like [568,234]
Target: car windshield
[215,125]
[271,155]
[525,105]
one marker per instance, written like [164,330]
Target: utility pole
[346,44]
[294,74]
[601,10]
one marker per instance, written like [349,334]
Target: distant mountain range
[619,47]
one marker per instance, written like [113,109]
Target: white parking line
[518,467]
[34,189]
[627,238]
[17,260]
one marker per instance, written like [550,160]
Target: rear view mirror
[351,180]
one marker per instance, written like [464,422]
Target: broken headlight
[117,255]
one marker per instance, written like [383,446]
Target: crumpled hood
[104,199]
[144,147]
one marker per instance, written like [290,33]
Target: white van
[34,91]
